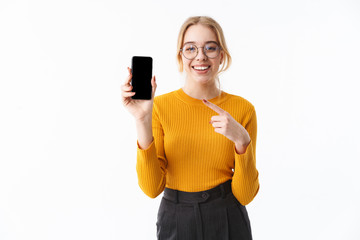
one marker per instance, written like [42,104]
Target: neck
[201,91]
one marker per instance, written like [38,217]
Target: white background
[68,146]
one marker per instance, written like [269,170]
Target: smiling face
[201,69]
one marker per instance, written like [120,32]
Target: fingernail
[204,100]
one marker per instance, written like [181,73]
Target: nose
[201,54]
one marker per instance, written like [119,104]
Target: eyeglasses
[190,51]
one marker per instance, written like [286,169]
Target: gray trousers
[213,214]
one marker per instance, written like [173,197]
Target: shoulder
[164,98]
[166,102]
[240,102]
[239,108]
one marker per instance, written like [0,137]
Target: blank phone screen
[141,77]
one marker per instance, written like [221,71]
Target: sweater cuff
[248,149]
[246,158]
[148,152]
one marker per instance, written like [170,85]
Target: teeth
[201,68]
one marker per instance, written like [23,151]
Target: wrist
[144,132]
[243,139]
[240,147]
[241,144]
[144,120]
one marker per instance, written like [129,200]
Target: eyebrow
[205,42]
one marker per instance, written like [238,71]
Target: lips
[201,69]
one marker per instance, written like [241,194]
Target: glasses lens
[189,51]
[211,50]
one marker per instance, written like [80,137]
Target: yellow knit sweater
[188,155]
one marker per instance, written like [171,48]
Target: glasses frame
[197,51]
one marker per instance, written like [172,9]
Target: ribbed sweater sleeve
[151,162]
[245,182]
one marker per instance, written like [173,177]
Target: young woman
[197,144]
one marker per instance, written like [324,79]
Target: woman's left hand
[226,125]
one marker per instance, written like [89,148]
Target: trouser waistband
[197,197]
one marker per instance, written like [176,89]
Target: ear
[221,57]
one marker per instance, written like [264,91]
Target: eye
[211,48]
[190,49]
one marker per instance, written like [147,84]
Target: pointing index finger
[214,107]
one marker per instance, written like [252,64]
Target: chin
[202,80]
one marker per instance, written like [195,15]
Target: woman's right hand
[140,109]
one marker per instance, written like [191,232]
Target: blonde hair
[213,25]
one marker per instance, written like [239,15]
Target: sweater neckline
[194,101]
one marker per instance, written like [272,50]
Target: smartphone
[141,68]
